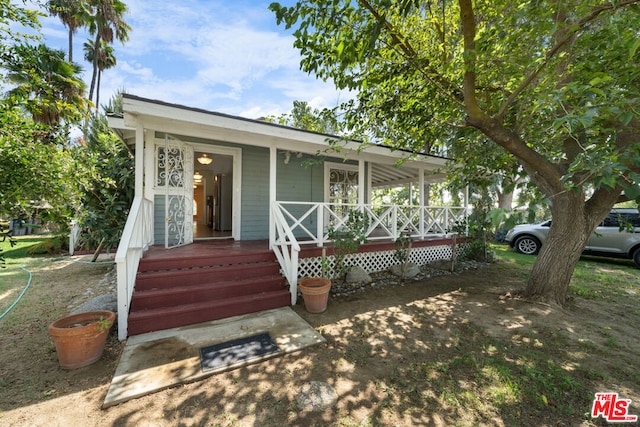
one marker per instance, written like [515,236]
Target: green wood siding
[255,194]
[299,180]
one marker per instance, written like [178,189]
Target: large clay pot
[315,292]
[80,338]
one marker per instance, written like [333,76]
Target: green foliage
[46,85]
[49,246]
[347,239]
[35,173]
[12,15]
[303,116]
[108,186]
[403,248]
[103,324]
[4,236]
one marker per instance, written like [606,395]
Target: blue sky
[218,55]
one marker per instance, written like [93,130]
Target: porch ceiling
[391,176]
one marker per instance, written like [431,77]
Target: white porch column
[273,160]
[466,208]
[150,165]
[410,191]
[369,197]
[422,201]
[362,179]
[139,161]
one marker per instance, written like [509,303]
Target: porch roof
[389,167]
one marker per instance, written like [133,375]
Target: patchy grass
[593,278]
[453,350]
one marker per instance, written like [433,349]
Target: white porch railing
[286,249]
[136,238]
[297,223]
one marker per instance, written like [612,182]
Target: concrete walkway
[158,360]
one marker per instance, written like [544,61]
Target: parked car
[607,240]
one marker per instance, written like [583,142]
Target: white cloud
[208,54]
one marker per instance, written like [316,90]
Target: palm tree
[105,22]
[69,12]
[106,59]
[46,84]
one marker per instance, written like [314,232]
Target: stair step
[172,317]
[195,276]
[189,294]
[204,261]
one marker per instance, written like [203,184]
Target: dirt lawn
[450,350]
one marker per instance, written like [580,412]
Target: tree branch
[538,167]
[468,22]
[409,53]
[597,11]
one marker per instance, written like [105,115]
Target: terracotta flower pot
[315,292]
[80,338]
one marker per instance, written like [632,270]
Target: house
[202,176]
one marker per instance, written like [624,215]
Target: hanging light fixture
[197,176]
[204,159]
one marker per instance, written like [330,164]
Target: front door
[175,175]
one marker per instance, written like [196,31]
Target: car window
[611,221]
[631,218]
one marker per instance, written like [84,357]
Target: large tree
[70,13]
[105,21]
[105,59]
[45,84]
[556,85]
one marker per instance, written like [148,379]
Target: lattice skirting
[373,262]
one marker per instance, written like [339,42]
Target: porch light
[204,159]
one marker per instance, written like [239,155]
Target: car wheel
[527,245]
[636,257]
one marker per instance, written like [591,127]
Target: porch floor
[212,248]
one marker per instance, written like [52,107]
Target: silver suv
[607,239]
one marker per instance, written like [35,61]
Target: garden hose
[81,261]
[31,278]
[19,296]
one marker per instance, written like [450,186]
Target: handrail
[136,238]
[286,248]
[294,225]
[385,221]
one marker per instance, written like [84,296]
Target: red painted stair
[182,291]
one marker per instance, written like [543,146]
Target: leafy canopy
[561,80]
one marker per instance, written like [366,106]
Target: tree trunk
[96,46]
[98,91]
[553,269]
[70,45]
[574,219]
[505,200]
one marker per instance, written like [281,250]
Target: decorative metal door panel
[175,175]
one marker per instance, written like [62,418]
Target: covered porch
[275,200]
